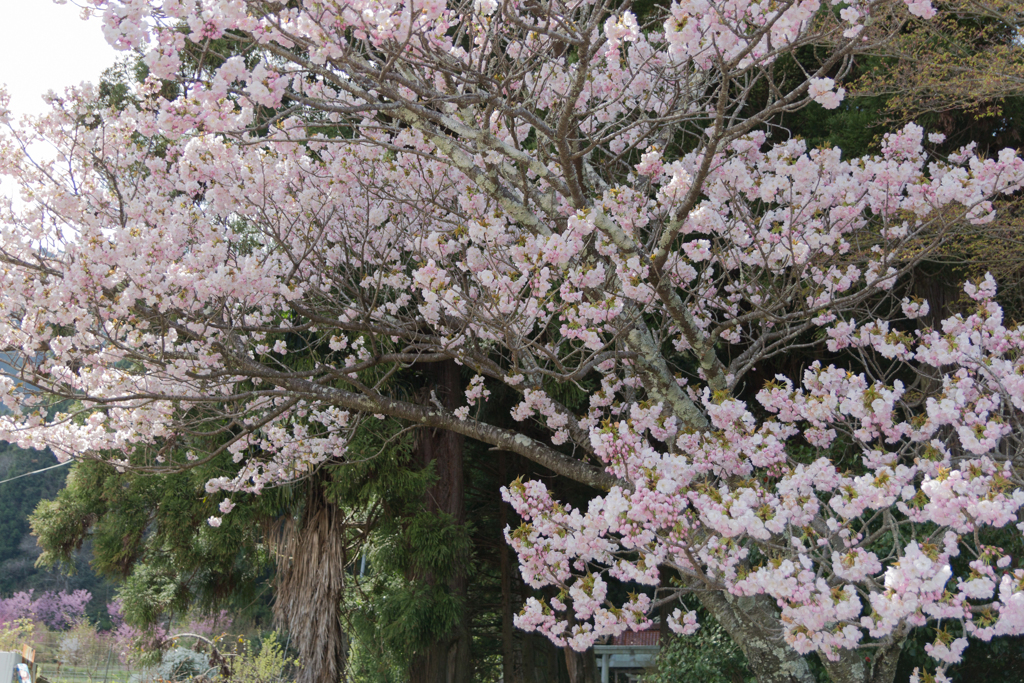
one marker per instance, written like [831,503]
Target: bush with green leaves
[708,656]
[182,664]
[262,661]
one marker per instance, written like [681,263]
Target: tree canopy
[589,209]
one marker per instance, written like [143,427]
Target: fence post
[106,671]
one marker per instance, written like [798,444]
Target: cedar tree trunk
[447,660]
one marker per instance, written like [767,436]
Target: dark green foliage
[115,86]
[854,127]
[708,656]
[150,533]
[402,602]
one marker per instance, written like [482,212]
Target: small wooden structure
[631,650]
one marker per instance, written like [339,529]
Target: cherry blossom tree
[304,198]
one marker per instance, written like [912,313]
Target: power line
[51,467]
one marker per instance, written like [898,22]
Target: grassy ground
[81,674]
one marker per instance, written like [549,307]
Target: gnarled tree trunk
[754,625]
[869,666]
[311,578]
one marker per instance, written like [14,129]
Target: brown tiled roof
[648,637]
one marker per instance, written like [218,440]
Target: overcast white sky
[45,46]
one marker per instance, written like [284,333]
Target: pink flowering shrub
[57,610]
[209,625]
[553,195]
[18,606]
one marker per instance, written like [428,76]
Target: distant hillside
[18,550]
[17,499]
